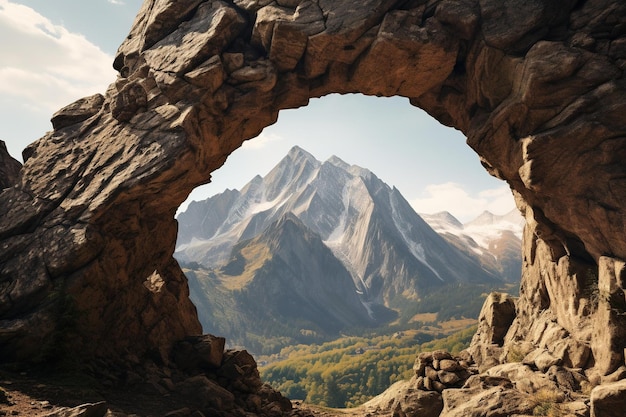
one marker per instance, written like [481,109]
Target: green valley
[351,370]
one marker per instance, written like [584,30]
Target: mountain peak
[442,220]
[297,154]
[488,218]
[338,162]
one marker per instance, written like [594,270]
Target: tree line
[351,370]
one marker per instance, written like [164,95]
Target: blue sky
[62,50]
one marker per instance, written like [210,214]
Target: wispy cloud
[60,66]
[117,2]
[464,206]
[262,141]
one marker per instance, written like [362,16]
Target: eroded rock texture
[9,168]
[87,234]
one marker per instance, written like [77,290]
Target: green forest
[351,370]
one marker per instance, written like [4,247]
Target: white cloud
[262,141]
[44,66]
[453,198]
[117,2]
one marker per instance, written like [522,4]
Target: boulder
[544,360]
[494,321]
[524,378]
[608,400]
[206,393]
[438,370]
[485,402]
[78,111]
[495,318]
[402,399]
[195,353]
[85,410]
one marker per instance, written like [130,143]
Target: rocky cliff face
[9,168]
[88,232]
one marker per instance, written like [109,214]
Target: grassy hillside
[450,302]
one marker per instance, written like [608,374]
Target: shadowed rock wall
[537,86]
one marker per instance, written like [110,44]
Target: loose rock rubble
[439,370]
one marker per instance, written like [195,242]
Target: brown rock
[618,375]
[78,111]
[494,321]
[485,355]
[401,399]
[449,365]
[575,408]
[431,373]
[524,378]
[440,355]
[573,353]
[496,317]
[537,87]
[419,367]
[240,369]
[419,382]
[206,393]
[448,378]
[490,402]
[608,400]
[545,360]
[199,352]
[85,410]
[485,381]
[565,379]
[9,168]
[420,403]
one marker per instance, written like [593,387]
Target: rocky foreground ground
[486,380]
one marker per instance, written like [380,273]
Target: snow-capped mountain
[495,239]
[388,249]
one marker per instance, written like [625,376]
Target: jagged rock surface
[9,168]
[87,234]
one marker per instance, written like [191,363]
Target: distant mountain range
[315,248]
[495,240]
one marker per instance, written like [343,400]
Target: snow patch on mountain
[488,226]
[336,236]
[405,228]
[369,227]
[483,230]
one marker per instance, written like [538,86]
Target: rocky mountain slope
[387,248]
[283,287]
[295,235]
[496,240]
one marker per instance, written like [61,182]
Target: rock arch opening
[403,145]
[539,94]
[238,248]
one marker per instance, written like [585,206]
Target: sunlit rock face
[87,233]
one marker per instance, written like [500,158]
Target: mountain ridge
[495,239]
[345,216]
[343,203]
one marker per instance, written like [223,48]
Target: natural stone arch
[87,233]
